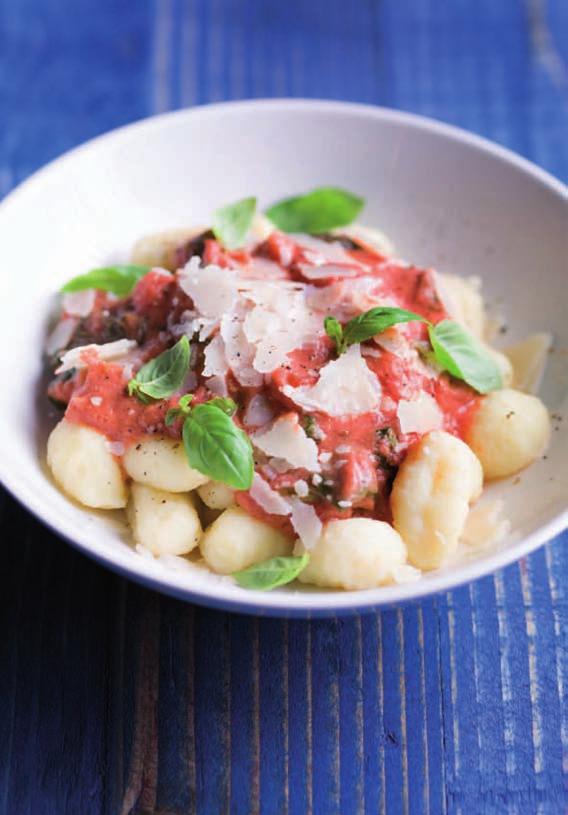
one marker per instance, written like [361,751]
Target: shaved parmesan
[321,272]
[239,351]
[81,357]
[287,440]
[267,498]
[394,341]
[419,415]
[258,412]
[217,385]
[528,359]
[212,289]
[346,386]
[368,237]
[79,303]
[279,323]
[306,523]
[347,297]
[262,269]
[322,252]
[215,359]
[61,335]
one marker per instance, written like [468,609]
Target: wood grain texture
[116,700]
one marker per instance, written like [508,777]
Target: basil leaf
[119,280]
[334,331]
[182,409]
[320,210]
[272,573]
[163,375]
[216,447]
[375,321]
[461,355]
[225,404]
[231,223]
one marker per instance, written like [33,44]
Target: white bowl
[446,198]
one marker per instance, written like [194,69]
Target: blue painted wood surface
[116,700]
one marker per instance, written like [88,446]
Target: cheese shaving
[267,498]
[61,335]
[287,440]
[212,289]
[306,523]
[420,415]
[346,387]
[239,351]
[215,359]
[79,303]
[83,355]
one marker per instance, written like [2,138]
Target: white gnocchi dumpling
[431,494]
[84,467]
[357,553]
[162,463]
[166,523]
[464,302]
[159,248]
[509,430]
[216,495]
[236,540]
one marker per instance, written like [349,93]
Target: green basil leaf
[318,211]
[216,447]
[231,223]
[334,331]
[225,404]
[464,357]
[375,321]
[119,280]
[272,573]
[163,375]
[182,409]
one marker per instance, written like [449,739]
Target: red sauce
[360,453]
[118,416]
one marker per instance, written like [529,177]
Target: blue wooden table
[116,700]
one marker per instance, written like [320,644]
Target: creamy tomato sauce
[359,454]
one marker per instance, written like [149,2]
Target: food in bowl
[280,397]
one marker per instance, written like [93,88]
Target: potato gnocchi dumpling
[465,302]
[166,523]
[159,249]
[437,481]
[509,430]
[236,540]
[162,463]
[216,495]
[83,466]
[357,553]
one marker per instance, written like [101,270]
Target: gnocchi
[84,467]
[357,553]
[159,249]
[464,302]
[165,523]
[216,495]
[509,430]
[437,481]
[236,540]
[162,463]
